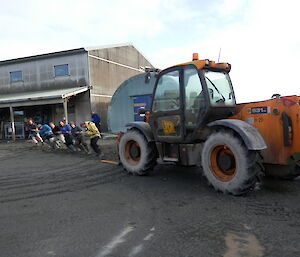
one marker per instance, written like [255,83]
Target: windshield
[219,88]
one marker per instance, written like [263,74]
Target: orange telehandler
[194,119]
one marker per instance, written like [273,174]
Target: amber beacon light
[195,57]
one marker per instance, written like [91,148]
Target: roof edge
[91,48]
[42,56]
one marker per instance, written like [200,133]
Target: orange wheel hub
[223,163]
[132,152]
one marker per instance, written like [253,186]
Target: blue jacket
[95,118]
[45,131]
[66,129]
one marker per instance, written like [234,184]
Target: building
[67,84]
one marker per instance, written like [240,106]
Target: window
[167,93]
[194,97]
[220,89]
[61,70]
[16,76]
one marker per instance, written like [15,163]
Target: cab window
[220,88]
[167,94]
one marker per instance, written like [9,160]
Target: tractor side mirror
[211,92]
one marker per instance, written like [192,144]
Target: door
[167,112]
[194,97]
[141,101]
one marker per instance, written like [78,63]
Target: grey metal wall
[82,107]
[106,77]
[120,110]
[39,74]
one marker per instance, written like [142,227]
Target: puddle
[243,245]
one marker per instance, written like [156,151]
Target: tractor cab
[188,96]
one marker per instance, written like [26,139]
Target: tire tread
[253,169]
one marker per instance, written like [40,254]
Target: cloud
[57,25]
[259,38]
[263,48]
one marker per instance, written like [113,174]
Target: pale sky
[260,38]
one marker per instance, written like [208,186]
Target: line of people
[66,133]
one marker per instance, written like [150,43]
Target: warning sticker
[168,127]
[262,109]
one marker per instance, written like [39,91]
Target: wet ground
[57,203]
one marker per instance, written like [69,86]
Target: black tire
[228,165]
[137,155]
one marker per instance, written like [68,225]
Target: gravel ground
[58,203]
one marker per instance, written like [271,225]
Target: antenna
[219,54]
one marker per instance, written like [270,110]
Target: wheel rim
[223,164]
[132,152]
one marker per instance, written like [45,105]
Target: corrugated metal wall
[121,108]
[38,75]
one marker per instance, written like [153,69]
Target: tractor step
[169,159]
